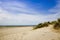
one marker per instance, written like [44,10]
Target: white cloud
[7,17]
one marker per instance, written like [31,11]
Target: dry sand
[13,33]
[26,33]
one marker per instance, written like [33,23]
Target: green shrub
[53,22]
[45,24]
[38,26]
[57,25]
[58,20]
[48,22]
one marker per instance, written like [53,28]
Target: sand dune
[26,33]
[46,33]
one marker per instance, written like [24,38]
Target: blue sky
[28,12]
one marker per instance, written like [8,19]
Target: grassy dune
[46,33]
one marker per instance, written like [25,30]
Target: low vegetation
[56,24]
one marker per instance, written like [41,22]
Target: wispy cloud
[56,10]
[18,7]
[15,13]
[6,18]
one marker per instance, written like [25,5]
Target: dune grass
[56,24]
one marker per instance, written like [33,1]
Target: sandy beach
[26,33]
[13,33]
